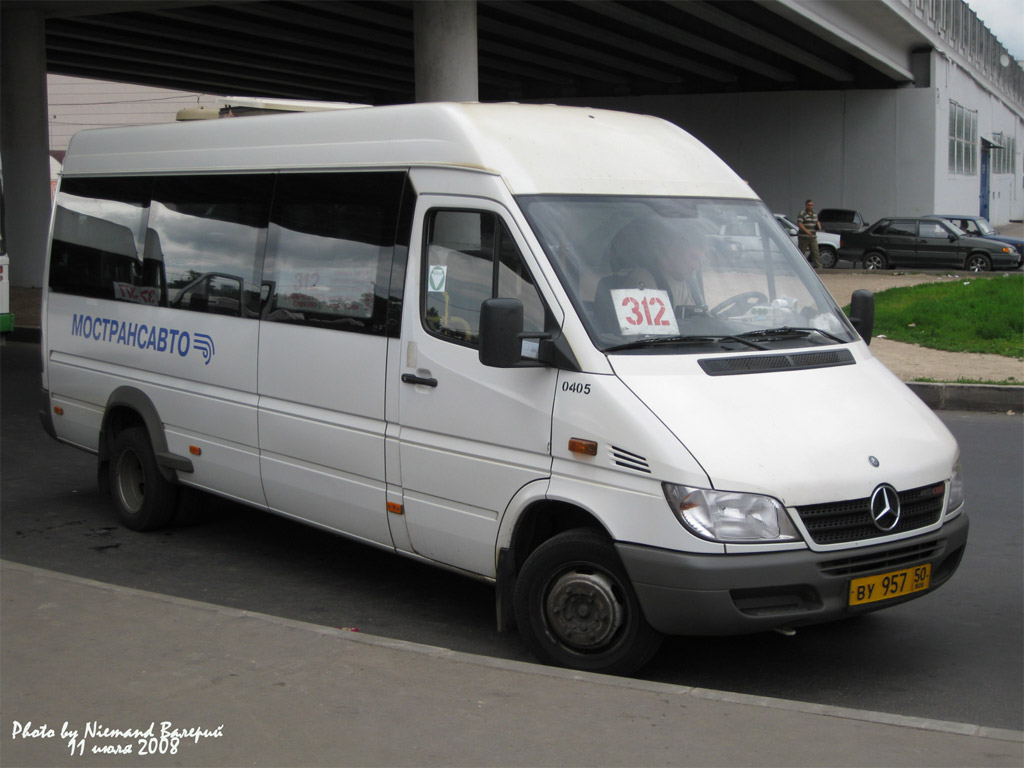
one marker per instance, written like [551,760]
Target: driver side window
[471,256]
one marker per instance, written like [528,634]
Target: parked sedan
[828,243]
[978,226]
[925,242]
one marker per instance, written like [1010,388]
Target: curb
[524,667]
[969,397]
[939,397]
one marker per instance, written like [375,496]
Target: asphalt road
[954,655]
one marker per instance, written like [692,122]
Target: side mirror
[862,313]
[501,326]
[952,238]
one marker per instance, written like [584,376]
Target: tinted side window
[903,227]
[330,247]
[471,256]
[203,239]
[933,230]
[98,239]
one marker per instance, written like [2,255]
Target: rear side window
[99,232]
[187,242]
[330,247]
[203,239]
[903,228]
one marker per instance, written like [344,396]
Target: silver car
[828,243]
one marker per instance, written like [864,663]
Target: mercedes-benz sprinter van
[567,351]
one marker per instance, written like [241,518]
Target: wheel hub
[131,481]
[583,611]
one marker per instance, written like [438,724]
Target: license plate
[886,586]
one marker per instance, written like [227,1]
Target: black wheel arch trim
[138,401]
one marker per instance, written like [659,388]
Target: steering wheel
[739,304]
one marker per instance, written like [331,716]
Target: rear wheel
[143,499]
[576,608]
[978,262]
[875,260]
[829,257]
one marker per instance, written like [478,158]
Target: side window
[470,257]
[98,237]
[903,228]
[203,240]
[933,230]
[330,247]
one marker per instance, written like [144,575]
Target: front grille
[887,560]
[841,522]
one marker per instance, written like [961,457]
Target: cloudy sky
[1005,18]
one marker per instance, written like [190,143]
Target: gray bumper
[687,594]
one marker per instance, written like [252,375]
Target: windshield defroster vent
[630,460]
[728,366]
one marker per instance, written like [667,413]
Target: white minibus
[521,342]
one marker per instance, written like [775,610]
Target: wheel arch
[545,519]
[131,407]
[537,521]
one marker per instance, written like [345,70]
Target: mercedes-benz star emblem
[885,507]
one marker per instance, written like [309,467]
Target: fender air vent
[729,366]
[630,460]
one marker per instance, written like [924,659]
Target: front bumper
[687,594]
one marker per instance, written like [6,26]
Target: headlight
[956,491]
[726,516]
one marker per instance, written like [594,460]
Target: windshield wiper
[654,341]
[789,332]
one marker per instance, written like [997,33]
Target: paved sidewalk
[80,655]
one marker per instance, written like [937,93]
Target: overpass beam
[24,142]
[445,50]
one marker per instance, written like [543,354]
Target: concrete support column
[24,142]
[445,50]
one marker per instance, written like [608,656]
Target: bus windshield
[655,274]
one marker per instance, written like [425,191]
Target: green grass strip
[968,315]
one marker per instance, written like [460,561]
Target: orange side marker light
[584,447]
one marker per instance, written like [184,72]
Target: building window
[1003,157]
[963,140]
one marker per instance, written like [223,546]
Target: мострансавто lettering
[142,336]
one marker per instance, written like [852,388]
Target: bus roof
[537,149]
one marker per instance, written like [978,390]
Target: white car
[828,243]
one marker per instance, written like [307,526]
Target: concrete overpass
[391,51]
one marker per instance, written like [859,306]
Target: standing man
[807,239]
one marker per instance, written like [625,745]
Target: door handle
[410,378]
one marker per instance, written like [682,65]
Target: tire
[143,499]
[875,260]
[606,631]
[829,257]
[978,262]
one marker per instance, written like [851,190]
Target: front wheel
[978,262]
[576,608]
[874,260]
[143,499]
[829,257]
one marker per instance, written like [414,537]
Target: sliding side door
[323,348]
